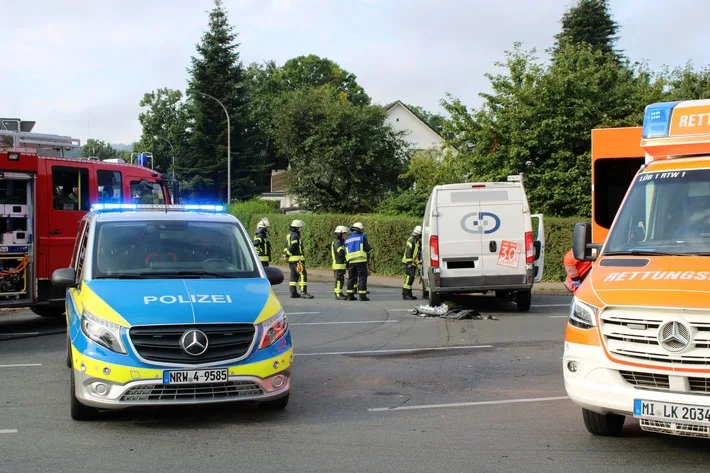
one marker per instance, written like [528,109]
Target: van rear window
[479,196]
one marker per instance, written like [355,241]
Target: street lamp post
[172,150]
[229,154]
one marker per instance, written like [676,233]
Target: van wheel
[523,299]
[79,411]
[434,299]
[277,404]
[68,351]
[608,425]
[48,310]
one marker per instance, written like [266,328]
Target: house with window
[418,135]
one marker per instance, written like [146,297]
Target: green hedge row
[387,235]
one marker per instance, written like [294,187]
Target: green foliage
[387,235]
[98,149]
[434,120]
[343,157]
[164,123]
[256,208]
[590,22]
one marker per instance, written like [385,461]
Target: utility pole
[229,149]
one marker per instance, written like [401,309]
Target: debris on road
[443,311]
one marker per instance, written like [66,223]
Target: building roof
[390,106]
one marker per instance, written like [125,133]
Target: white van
[478,237]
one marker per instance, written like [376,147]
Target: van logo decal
[479,223]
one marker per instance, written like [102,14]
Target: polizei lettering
[658,276]
[192,299]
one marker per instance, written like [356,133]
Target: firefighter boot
[304,293]
[407,295]
[340,297]
[363,297]
[351,297]
[294,293]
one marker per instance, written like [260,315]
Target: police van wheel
[68,351]
[523,299]
[608,425]
[79,411]
[277,404]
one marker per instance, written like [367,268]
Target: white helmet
[298,223]
[341,229]
[263,223]
[417,230]
[358,226]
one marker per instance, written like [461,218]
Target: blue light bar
[657,120]
[145,207]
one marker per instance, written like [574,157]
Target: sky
[81,67]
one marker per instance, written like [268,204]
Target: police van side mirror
[582,243]
[64,277]
[274,275]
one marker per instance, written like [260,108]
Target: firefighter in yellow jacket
[337,253]
[293,253]
[412,259]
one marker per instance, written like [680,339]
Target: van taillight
[529,252]
[434,245]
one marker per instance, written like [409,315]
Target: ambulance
[637,341]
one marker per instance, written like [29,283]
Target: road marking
[349,322]
[558,316]
[21,365]
[18,334]
[467,404]
[400,350]
[302,313]
[8,431]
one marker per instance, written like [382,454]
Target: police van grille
[193,392]
[161,343]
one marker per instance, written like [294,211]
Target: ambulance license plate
[671,412]
[196,376]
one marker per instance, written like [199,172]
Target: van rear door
[503,240]
[459,225]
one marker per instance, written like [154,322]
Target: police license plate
[196,376]
[669,412]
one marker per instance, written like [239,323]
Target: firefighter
[337,252]
[412,259]
[261,241]
[293,253]
[357,249]
[576,271]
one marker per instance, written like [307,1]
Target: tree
[344,158]
[590,22]
[164,125]
[218,71]
[99,149]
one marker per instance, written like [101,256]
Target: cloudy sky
[80,67]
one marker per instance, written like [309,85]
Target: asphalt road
[376,389]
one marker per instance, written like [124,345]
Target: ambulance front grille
[161,343]
[672,428]
[192,392]
[632,335]
[646,380]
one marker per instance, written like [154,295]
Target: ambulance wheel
[79,411]
[608,425]
[277,404]
[523,299]
[48,310]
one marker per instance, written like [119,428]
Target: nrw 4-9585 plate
[196,376]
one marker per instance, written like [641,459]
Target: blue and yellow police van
[169,305]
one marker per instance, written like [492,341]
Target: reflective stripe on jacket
[337,253]
[412,251]
[356,248]
[263,247]
[294,247]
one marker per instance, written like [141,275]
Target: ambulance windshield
[163,249]
[665,213]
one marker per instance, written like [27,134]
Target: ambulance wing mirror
[274,275]
[64,277]
[582,246]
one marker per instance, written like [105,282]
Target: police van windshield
[665,213]
[159,249]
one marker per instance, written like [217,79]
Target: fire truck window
[81,256]
[109,186]
[75,252]
[612,179]
[143,192]
[71,188]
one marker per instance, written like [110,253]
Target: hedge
[387,235]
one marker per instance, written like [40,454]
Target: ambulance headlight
[273,329]
[105,333]
[582,315]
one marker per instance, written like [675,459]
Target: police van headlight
[582,315]
[273,329]
[105,333]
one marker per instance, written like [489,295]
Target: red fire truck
[43,195]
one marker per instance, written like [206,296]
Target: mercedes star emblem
[674,336]
[194,342]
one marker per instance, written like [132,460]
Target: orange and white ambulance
[637,342]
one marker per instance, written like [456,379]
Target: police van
[478,237]
[169,305]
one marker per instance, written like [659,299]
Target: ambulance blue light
[657,120]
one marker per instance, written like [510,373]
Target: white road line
[302,313]
[348,322]
[558,316]
[467,404]
[401,350]
[8,431]
[21,365]
[17,334]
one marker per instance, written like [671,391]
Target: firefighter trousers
[339,281]
[357,272]
[298,279]
[409,274]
